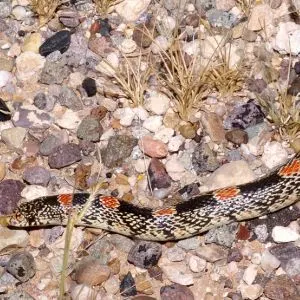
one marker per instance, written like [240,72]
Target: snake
[200,213]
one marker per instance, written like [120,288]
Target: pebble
[50,143]
[223,235]
[90,271]
[44,101]
[118,148]
[234,255]
[274,154]
[127,286]
[261,232]
[175,143]
[10,191]
[59,41]
[197,264]
[121,242]
[19,12]
[22,266]
[175,168]
[69,120]
[176,291]
[281,287]
[189,244]
[261,17]
[32,42]
[111,285]
[237,136]
[68,98]
[157,103]
[212,124]
[153,123]
[29,66]
[178,273]
[37,175]
[144,254]
[9,238]
[204,159]
[5,9]
[5,78]
[64,155]
[230,174]
[251,292]
[175,254]
[158,176]
[89,85]
[126,116]
[292,267]
[269,262]
[30,117]
[164,134]
[131,10]
[13,137]
[82,292]
[31,192]
[250,274]
[220,18]
[282,234]
[69,17]
[152,147]
[212,252]
[90,129]
[244,116]
[187,130]
[143,284]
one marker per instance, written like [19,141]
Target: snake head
[18,219]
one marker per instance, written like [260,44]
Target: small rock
[49,144]
[111,285]
[260,17]
[212,253]
[280,288]
[131,10]
[212,124]
[153,123]
[10,191]
[13,137]
[19,12]
[269,262]
[13,238]
[22,266]
[251,292]
[68,98]
[152,147]
[64,155]
[175,254]
[220,18]
[82,291]
[44,101]
[197,264]
[118,148]
[231,174]
[175,168]
[223,235]
[59,41]
[261,232]
[69,120]
[91,272]
[5,78]
[5,9]
[101,250]
[189,244]
[143,285]
[36,175]
[121,242]
[176,291]
[235,255]
[274,154]
[90,129]
[237,136]
[157,103]
[32,42]
[127,286]
[178,273]
[250,274]
[282,234]
[89,85]
[144,254]
[165,135]
[69,17]
[244,116]
[158,176]
[187,130]
[204,159]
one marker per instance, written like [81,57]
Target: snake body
[198,214]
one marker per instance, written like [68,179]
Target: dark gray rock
[37,175]
[176,291]
[59,41]
[244,116]
[22,266]
[223,235]
[127,286]
[90,129]
[204,159]
[10,191]
[119,147]
[64,155]
[49,144]
[89,85]
[220,18]
[159,178]
[144,254]
[44,102]
[68,98]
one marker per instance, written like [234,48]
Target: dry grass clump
[103,7]
[246,6]
[184,78]
[45,9]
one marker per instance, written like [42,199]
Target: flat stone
[212,253]
[176,291]
[212,124]
[9,238]
[178,273]
[36,175]
[90,129]
[13,137]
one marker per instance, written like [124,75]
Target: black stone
[297,67]
[59,41]
[127,286]
[89,84]
[5,114]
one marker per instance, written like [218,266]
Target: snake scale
[198,214]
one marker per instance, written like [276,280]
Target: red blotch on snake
[109,202]
[65,199]
[293,168]
[226,193]
[164,212]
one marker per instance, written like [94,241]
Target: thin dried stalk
[104,7]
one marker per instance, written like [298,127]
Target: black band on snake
[198,214]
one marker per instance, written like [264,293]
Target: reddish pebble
[152,147]
[243,233]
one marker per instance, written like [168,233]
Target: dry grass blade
[187,85]
[246,6]
[103,7]
[45,9]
